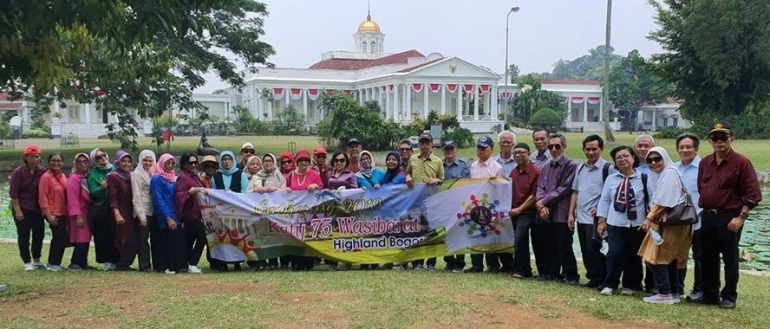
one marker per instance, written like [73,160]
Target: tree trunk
[606,92]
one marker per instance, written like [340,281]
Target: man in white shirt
[486,167]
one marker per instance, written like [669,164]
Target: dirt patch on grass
[193,286]
[546,312]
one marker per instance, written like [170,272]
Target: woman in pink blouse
[52,196]
[78,201]
[303,179]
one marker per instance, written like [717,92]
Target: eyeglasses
[520,152]
[249,151]
[719,138]
[172,163]
[554,147]
[405,149]
[651,160]
[339,160]
[303,160]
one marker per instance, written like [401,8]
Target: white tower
[368,38]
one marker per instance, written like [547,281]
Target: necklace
[301,182]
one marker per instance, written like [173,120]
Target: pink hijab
[159,171]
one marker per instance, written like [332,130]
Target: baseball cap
[485,141]
[449,144]
[721,127]
[425,136]
[32,150]
[320,150]
[353,141]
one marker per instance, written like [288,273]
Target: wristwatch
[744,215]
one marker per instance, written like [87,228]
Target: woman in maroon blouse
[121,202]
[187,205]
[25,208]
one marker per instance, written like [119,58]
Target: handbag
[681,214]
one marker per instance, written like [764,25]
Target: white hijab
[667,185]
[146,175]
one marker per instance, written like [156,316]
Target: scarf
[625,200]
[92,156]
[82,174]
[366,171]
[168,176]
[227,171]
[390,174]
[124,175]
[145,174]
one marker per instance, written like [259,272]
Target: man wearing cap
[247,151]
[424,167]
[542,156]
[554,189]
[524,178]
[506,139]
[729,190]
[25,208]
[320,165]
[354,148]
[454,168]
[486,167]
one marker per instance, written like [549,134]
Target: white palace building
[406,85]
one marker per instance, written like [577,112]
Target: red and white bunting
[483,89]
[278,93]
[348,92]
[313,94]
[451,88]
[506,95]
[577,100]
[468,88]
[594,100]
[295,93]
[434,87]
[417,87]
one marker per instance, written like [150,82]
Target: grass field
[360,299]
[756,150]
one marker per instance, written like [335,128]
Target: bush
[5,130]
[670,132]
[463,137]
[546,118]
[346,119]
[749,126]
[37,133]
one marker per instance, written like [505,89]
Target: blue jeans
[622,258]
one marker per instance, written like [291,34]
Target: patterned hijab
[367,171]
[119,156]
[95,163]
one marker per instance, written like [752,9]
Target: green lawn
[361,299]
[756,150]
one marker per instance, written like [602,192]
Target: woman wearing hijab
[172,243]
[368,177]
[253,166]
[621,210]
[78,201]
[99,213]
[269,179]
[666,259]
[24,185]
[122,205]
[393,174]
[287,163]
[144,211]
[187,206]
[229,177]
[52,196]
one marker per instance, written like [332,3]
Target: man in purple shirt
[553,196]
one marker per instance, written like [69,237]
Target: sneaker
[517,276]
[398,267]
[626,292]
[3,288]
[457,270]
[38,265]
[54,268]
[193,269]
[660,299]
[606,291]
[169,271]
[418,267]
[110,266]
[74,267]
[431,268]
[30,267]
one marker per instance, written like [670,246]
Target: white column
[396,101]
[476,104]
[286,96]
[459,94]
[304,103]
[493,93]
[601,110]
[408,101]
[488,103]
[443,99]
[425,100]
[386,103]
[569,109]
[585,109]
[381,101]
[88,113]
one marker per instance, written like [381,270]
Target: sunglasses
[405,149]
[652,160]
[719,138]
[193,163]
[303,160]
[100,156]
[285,162]
[249,151]
[339,160]
[554,147]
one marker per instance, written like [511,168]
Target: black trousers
[455,262]
[564,266]
[177,248]
[147,252]
[541,237]
[196,240]
[80,255]
[697,257]
[103,229]
[718,240]
[428,262]
[666,278]
[59,240]
[622,257]
[34,223]
[521,259]
[593,259]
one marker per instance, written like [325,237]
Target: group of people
[142,208]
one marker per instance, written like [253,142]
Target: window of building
[363,49]
[73,113]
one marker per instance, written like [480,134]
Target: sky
[541,33]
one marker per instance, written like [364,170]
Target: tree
[290,121]
[346,119]
[532,98]
[586,67]
[631,86]
[546,118]
[717,56]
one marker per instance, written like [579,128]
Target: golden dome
[368,26]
